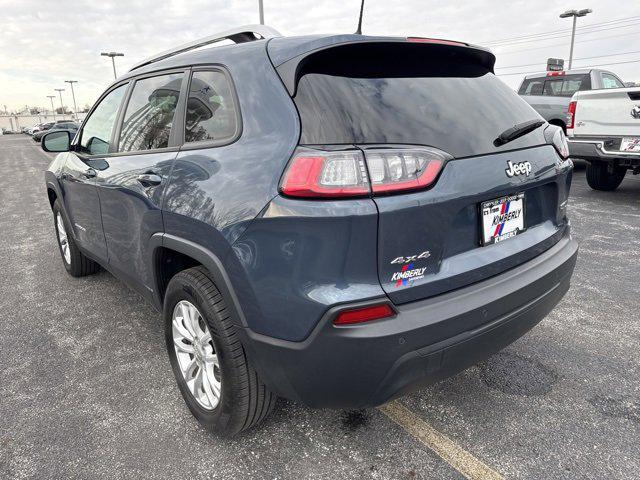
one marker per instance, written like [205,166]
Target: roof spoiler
[245,33]
[292,69]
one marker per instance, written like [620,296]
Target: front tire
[220,387]
[75,262]
[599,177]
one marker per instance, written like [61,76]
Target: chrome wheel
[62,238]
[196,354]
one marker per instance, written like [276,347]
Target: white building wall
[16,122]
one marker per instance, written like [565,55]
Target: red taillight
[560,142]
[437,41]
[364,314]
[349,173]
[398,169]
[326,174]
[556,74]
[571,114]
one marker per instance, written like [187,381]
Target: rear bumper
[366,365]
[596,150]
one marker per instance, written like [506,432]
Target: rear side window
[609,81]
[211,112]
[571,86]
[461,114]
[552,88]
[532,87]
[557,86]
[97,130]
[150,113]
[562,88]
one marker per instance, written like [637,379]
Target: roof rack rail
[245,33]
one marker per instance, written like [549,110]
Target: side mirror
[56,141]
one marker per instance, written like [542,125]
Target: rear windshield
[560,86]
[461,112]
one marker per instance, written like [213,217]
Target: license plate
[630,145]
[502,218]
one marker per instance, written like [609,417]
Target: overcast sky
[43,43]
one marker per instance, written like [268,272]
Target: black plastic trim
[208,259]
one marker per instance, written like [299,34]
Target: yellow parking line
[465,463]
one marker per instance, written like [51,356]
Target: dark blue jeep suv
[332,219]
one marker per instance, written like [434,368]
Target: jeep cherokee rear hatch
[426,129]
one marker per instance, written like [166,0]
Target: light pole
[113,55]
[575,14]
[53,110]
[60,90]
[73,94]
[261,10]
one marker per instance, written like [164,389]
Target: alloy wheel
[63,239]
[196,354]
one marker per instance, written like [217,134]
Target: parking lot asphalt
[86,390]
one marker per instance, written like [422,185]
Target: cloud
[45,43]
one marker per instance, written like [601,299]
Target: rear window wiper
[517,131]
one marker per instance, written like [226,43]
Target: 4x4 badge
[420,256]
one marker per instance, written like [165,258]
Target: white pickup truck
[549,93]
[603,128]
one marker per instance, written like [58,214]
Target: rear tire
[599,177]
[75,262]
[242,400]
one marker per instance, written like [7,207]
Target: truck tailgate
[607,113]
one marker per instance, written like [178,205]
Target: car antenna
[359,30]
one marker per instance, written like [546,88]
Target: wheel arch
[221,279]
[51,193]
[53,190]
[190,254]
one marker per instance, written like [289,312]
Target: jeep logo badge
[514,169]
[635,112]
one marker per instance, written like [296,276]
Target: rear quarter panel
[301,257]
[214,193]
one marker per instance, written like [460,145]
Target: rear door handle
[150,179]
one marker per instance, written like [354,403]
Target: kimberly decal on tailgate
[407,273]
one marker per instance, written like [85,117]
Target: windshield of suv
[461,115]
